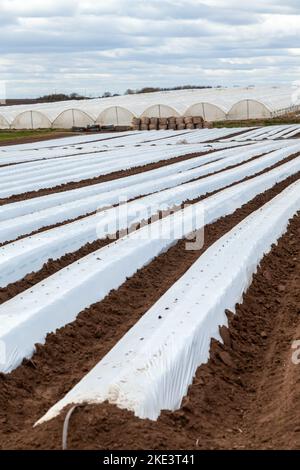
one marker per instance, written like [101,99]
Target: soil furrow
[100,179]
[27,393]
[37,139]
[84,154]
[52,266]
[122,191]
[230,136]
[246,396]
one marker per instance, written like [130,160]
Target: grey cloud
[118,44]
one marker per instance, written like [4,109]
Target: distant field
[27,135]
[288,119]
[116,310]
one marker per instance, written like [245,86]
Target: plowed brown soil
[217,412]
[56,135]
[53,266]
[248,394]
[246,397]
[29,140]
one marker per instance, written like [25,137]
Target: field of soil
[247,394]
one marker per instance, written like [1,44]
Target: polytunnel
[209,111]
[212,104]
[115,115]
[160,111]
[248,109]
[72,117]
[31,120]
[4,124]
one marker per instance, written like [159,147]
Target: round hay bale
[144,127]
[180,127]
[197,120]
[188,119]
[153,123]
[136,121]
[154,120]
[145,120]
[163,121]
[179,120]
[207,125]
[190,125]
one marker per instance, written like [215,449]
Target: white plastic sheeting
[151,367]
[73,169]
[28,206]
[253,134]
[18,179]
[29,215]
[286,132]
[27,318]
[69,149]
[270,132]
[65,141]
[197,136]
[24,154]
[70,157]
[29,254]
[295,132]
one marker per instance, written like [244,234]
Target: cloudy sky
[90,46]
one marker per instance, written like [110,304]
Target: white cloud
[93,46]
[37,8]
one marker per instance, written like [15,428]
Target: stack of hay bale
[153,126]
[145,123]
[173,123]
[163,124]
[136,124]
[180,125]
[188,120]
[198,122]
